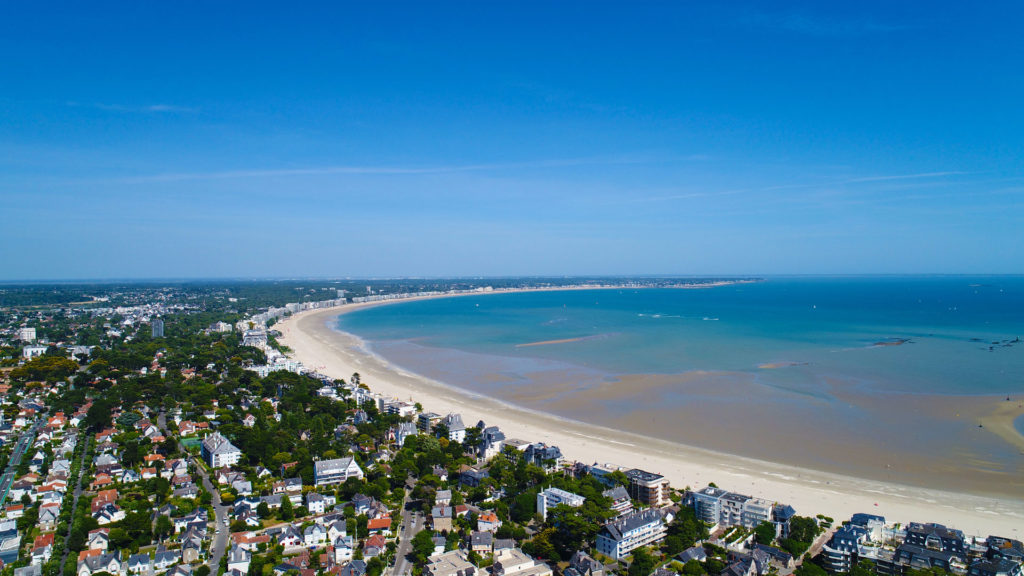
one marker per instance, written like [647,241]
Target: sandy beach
[320,347]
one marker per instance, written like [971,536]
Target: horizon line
[195,279]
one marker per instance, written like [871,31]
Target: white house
[217,451]
[238,559]
[315,535]
[552,497]
[315,503]
[335,471]
[456,429]
[620,537]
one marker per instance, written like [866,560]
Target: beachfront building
[217,451]
[649,488]
[707,503]
[929,546]
[514,448]
[541,455]
[715,506]
[627,533]
[842,550]
[427,420]
[491,441]
[848,545]
[335,471]
[456,429]
[397,407]
[936,537]
[601,472]
[781,516]
[255,338]
[551,497]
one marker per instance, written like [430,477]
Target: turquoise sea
[835,352]
[959,331]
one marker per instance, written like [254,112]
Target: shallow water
[959,334]
[876,377]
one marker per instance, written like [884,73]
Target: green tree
[802,532]
[687,528]
[765,533]
[572,528]
[642,564]
[375,566]
[164,526]
[693,568]
[422,546]
[618,477]
[287,512]
[119,538]
[810,569]
[49,368]
[77,541]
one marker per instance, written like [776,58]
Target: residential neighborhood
[178,454]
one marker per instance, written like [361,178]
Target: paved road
[74,502]
[220,540]
[24,441]
[221,530]
[412,523]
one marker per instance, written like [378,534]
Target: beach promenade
[337,354]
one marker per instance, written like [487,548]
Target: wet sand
[809,490]
[1001,422]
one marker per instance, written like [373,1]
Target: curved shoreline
[339,354]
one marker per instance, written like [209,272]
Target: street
[411,525]
[221,531]
[24,441]
[74,503]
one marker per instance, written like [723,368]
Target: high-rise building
[27,334]
[647,487]
[158,328]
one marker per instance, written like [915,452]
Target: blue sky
[175,139]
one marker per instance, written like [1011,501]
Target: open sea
[886,360]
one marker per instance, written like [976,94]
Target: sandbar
[548,342]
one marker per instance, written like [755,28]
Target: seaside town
[164,430]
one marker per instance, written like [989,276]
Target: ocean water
[880,377]
[959,334]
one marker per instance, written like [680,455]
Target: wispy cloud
[374,170]
[816,25]
[831,187]
[136,109]
[906,177]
